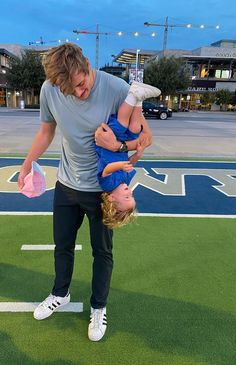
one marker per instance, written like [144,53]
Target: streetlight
[136,66]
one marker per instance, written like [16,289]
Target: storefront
[212,68]
[3,97]
[6,95]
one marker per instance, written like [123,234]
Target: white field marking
[44,247]
[138,214]
[23,158]
[25,213]
[30,307]
[185,215]
[16,116]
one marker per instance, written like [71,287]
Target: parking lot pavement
[193,134]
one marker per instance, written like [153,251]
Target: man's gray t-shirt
[78,121]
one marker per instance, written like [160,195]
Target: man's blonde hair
[62,63]
[112,216]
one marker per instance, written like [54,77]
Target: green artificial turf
[172,298]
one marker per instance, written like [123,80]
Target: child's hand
[127,166]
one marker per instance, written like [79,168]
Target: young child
[115,169]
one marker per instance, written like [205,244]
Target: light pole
[136,65]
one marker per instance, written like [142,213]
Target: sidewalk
[10,110]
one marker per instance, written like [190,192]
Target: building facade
[5,91]
[212,68]
[8,96]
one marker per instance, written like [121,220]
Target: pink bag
[35,183]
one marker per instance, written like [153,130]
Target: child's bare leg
[124,113]
[137,93]
[135,120]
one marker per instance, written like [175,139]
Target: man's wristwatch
[123,147]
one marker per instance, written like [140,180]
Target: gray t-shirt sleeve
[123,91]
[45,114]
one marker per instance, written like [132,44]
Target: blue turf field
[160,187]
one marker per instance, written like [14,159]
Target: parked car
[157,111]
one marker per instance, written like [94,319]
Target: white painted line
[44,247]
[30,307]
[138,214]
[23,158]
[185,215]
[25,213]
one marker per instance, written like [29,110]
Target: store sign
[203,86]
[221,52]
[226,54]
[210,89]
[133,75]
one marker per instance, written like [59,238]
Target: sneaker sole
[98,338]
[146,86]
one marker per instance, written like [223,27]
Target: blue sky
[24,22]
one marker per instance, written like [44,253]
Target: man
[77,99]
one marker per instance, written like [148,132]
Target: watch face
[123,147]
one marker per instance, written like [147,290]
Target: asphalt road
[193,134]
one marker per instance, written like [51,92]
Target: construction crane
[98,33]
[97,40]
[167,26]
[41,42]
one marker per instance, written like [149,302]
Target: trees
[168,74]
[223,98]
[26,74]
[207,99]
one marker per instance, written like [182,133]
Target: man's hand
[23,172]
[145,140]
[104,137]
[140,149]
[41,142]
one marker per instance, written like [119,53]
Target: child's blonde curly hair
[112,217]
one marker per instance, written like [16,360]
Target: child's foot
[143,91]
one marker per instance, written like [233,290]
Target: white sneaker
[49,305]
[98,324]
[143,91]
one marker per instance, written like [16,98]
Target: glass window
[225,74]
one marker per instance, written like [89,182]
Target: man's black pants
[70,206]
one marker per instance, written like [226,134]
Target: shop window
[225,74]
[222,74]
[204,72]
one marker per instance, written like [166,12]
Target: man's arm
[145,138]
[104,137]
[41,142]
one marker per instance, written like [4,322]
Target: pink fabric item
[35,183]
